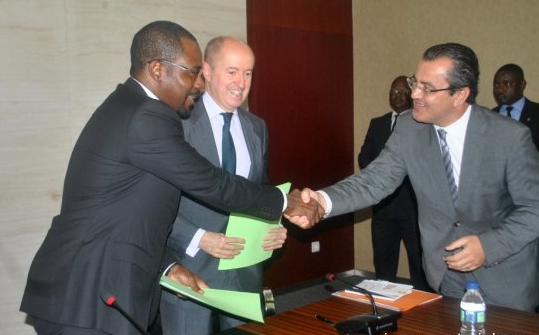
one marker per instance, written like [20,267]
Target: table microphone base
[369,324]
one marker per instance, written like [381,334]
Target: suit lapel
[253,142]
[527,113]
[474,142]
[198,132]
[385,132]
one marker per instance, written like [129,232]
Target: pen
[326,320]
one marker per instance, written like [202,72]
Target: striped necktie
[448,165]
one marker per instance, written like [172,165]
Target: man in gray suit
[475,177]
[197,237]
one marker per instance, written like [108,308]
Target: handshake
[305,208]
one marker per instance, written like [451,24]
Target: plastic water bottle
[472,311]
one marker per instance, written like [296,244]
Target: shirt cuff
[285,202]
[192,248]
[329,204]
[167,270]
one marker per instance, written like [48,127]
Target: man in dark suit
[197,237]
[474,174]
[121,194]
[508,89]
[394,218]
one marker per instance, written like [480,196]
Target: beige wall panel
[33,52]
[391,35]
[34,151]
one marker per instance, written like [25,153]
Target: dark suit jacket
[400,204]
[193,214]
[498,199]
[530,117]
[120,199]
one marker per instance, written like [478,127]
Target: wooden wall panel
[303,88]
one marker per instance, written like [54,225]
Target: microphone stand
[110,301]
[374,323]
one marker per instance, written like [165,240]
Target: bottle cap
[472,285]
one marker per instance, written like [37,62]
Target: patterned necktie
[448,165]
[508,110]
[228,150]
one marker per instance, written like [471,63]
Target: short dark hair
[157,40]
[513,68]
[465,72]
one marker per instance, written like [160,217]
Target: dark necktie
[228,150]
[508,110]
[394,122]
[448,165]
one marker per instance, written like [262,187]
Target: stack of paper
[385,290]
[389,295]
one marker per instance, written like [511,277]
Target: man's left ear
[461,96]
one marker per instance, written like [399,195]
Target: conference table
[440,317]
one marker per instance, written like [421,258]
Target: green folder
[253,230]
[243,304]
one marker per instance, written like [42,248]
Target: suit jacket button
[456,224]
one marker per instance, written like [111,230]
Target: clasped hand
[305,208]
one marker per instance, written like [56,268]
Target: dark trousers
[44,327]
[386,238]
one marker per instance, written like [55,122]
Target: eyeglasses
[412,82]
[395,91]
[193,73]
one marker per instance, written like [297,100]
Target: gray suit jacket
[194,214]
[498,199]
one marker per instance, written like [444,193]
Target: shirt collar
[212,108]
[147,90]
[459,126]
[517,106]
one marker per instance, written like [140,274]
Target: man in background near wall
[197,238]
[121,193]
[394,219]
[508,89]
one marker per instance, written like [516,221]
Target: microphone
[110,301]
[372,324]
